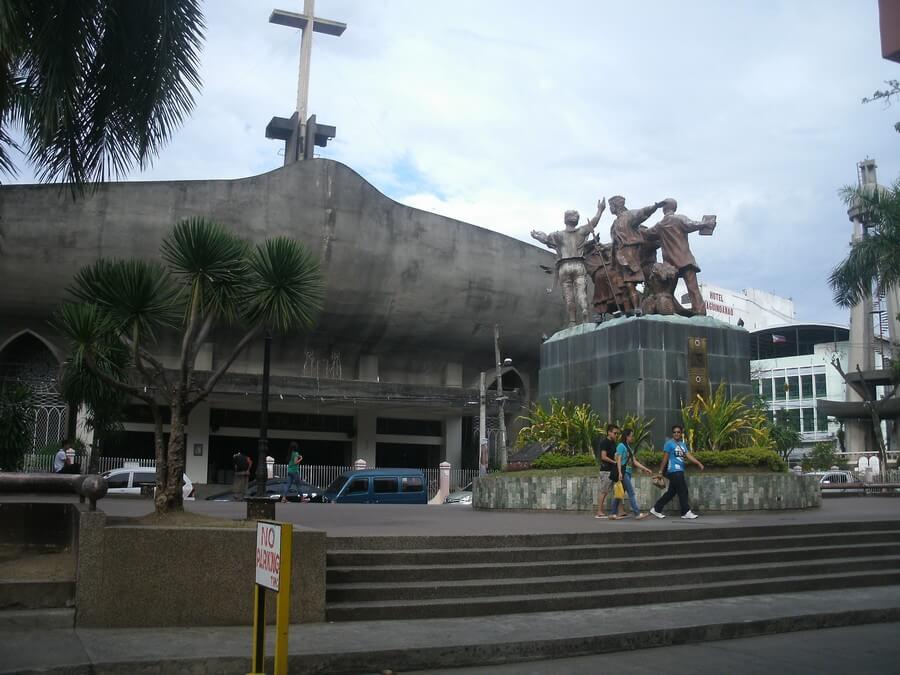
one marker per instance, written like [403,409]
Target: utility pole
[483,460]
[501,399]
[261,470]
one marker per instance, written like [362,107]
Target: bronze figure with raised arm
[570,245]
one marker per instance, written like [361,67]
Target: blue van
[378,486]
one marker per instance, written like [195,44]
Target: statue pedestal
[648,366]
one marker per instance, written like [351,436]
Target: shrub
[570,428]
[720,459]
[719,423]
[642,426]
[555,460]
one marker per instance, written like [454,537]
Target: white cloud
[504,114]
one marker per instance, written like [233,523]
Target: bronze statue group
[627,262]
[617,461]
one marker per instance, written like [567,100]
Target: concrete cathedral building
[390,374]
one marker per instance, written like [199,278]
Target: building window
[808,419]
[766,384]
[822,423]
[806,387]
[793,384]
[793,418]
[780,389]
[820,385]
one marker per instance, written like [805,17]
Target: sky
[505,113]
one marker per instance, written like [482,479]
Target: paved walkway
[368,646]
[392,520]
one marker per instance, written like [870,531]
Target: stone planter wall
[708,492]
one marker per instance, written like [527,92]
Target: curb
[465,655]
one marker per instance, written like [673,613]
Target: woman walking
[625,460]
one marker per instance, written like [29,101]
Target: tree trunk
[170,497]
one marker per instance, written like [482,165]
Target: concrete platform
[373,646]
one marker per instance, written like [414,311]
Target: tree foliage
[16,424]
[886,96]
[121,310]
[95,87]
[874,260]
[785,438]
[822,457]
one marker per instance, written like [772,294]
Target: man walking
[675,452]
[605,452]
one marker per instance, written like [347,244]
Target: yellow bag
[619,490]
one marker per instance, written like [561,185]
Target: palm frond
[284,289]
[103,84]
[135,294]
[211,262]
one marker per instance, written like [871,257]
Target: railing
[321,475]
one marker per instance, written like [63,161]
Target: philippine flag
[778,339]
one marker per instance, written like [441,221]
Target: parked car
[378,486]
[129,480]
[838,482]
[461,496]
[275,489]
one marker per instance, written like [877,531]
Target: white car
[460,496]
[128,481]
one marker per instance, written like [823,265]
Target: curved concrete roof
[397,277]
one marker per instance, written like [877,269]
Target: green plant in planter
[570,428]
[642,428]
[751,458]
[555,460]
[717,422]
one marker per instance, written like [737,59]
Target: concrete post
[453,440]
[443,484]
[359,464]
[197,433]
[364,440]
[270,466]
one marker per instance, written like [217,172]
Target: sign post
[273,572]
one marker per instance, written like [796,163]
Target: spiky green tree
[16,424]
[209,277]
[874,260]
[95,87]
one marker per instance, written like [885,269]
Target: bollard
[359,464]
[270,467]
[443,484]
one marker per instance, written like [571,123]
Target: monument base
[649,366]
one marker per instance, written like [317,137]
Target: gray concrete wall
[708,492]
[399,280]
[132,576]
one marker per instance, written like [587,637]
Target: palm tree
[97,86]
[209,277]
[874,260]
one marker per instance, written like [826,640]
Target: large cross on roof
[301,135]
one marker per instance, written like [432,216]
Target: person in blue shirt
[625,460]
[675,452]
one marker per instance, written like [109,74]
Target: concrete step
[18,594]
[598,581]
[544,569]
[605,536]
[371,557]
[512,604]
[43,619]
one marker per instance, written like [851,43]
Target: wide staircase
[429,577]
[37,590]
